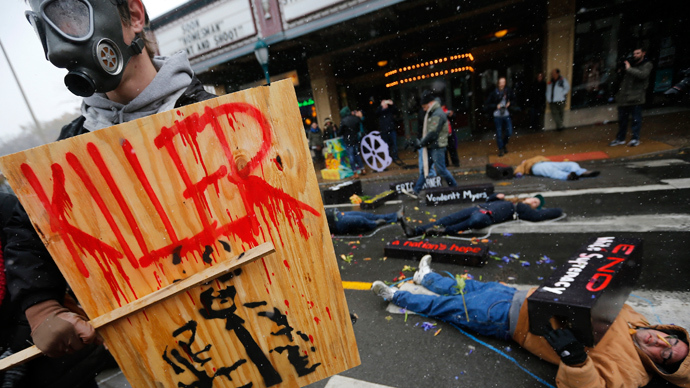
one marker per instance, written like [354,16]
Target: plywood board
[127,210]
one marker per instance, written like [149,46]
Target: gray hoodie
[174,76]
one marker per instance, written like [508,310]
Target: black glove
[563,341]
[416,144]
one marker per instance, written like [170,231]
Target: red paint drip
[311,339]
[287,265]
[190,298]
[280,166]
[310,304]
[56,208]
[317,320]
[131,156]
[329,313]
[287,303]
[119,198]
[266,269]
[145,316]
[305,352]
[76,165]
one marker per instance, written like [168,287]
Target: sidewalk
[662,130]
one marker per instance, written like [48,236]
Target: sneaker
[500,152]
[633,143]
[381,289]
[400,214]
[616,143]
[573,176]
[435,231]
[423,270]
[589,174]
[407,229]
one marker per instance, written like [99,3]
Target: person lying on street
[497,209]
[541,166]
[358,222]
[629,355]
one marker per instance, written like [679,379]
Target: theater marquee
[210,28]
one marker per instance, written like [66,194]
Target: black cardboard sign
[459,194]
[440,250]
[379,200]
[342,192]
[408,186]
[590,289]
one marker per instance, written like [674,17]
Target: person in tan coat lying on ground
[631,352]
[541,166]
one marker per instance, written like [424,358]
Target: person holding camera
[498,102]
[631,97]
[630,354]
[556,93]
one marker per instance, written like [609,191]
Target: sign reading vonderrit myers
[215,26]
[295,9]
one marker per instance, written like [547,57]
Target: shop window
[596,57]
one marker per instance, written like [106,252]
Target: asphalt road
[645,198]
[625,201]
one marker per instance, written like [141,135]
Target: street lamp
[261,52]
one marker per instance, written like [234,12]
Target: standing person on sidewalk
[131,84]
[630,354]
[349,129]
[498,102]
[536,102]
[452,148]
[434,141]
[387,128]
[631,97]
[556,94]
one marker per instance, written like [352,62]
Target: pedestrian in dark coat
[498,103]
[350,125]
[387,127]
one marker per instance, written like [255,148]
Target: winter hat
[427,97]
[345,112]
[541,200]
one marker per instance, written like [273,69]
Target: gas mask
[85,37]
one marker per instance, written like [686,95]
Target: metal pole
[268,77]
[31,111]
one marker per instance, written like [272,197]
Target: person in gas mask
[102,45]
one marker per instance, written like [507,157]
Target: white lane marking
[346,382]
[683,183]
[634,223]
[657,163]
[610,190]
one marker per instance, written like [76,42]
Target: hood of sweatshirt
[174,76]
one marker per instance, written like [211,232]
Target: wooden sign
[128,210]
[442,251]
[590,289]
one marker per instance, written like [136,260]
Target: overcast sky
[42,82]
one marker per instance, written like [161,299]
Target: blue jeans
[391,138]
[624,112]
[501,136]
[557,170]
[353,222]
[470,218]
[356,163]
[488,304]
[438,156]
